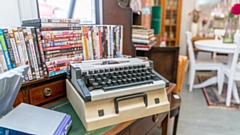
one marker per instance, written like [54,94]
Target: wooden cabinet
[165,60]
[171,18]
[42,91]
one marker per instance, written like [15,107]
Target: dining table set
[218,47]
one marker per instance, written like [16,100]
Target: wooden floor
[196,118]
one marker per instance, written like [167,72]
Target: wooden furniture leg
[165,125]
[176,122]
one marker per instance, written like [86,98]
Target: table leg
[176,122]
[210,81]
[165,125]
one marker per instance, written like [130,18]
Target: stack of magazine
[143,38]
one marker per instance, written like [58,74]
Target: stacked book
[48,46]
[19,47]
[143,38]
[60,43]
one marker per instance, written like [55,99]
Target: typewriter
[106,92]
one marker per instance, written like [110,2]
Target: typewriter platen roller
[106,92]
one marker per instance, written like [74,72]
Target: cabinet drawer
[147,124]
[19,99]
[46,92]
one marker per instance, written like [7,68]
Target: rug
[212,97]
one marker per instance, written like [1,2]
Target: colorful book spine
[121,41]
[39,40]
[63,50]
[23,53]
[61,47]
[51,68]
[9,47]
[77,58]
[45,20]
[61,43]
[54,73]
[33,52]
[32,76]
[18,45]
[47,56]
[61,32]
[59,28]
[59,57]
[14,47]
[105,41]
[37,53]
[59,36]
[5,50]
[3,63]
[115,41]
[90,44]
[61,39]
[84,42]
[100,42]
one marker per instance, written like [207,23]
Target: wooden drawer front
[146,125]
[19,99]
[57,89]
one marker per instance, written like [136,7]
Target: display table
[140,126]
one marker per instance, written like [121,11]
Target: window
[85,10]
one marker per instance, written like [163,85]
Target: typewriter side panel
[102,113]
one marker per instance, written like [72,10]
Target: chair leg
[191,78]
[229,91]
[235,93]
[220,76]
[189,73]
[176,122]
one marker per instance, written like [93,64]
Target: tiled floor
[196,118]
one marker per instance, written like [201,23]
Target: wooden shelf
[171,17]
[170,25]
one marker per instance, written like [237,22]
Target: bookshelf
[171,18]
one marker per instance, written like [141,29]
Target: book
[144,47]
[5,50]
[27,119]
[51,24]
[48,20]
[9,47]
[3,65]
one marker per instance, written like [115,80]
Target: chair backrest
[190,47]
[235,56]
[219,33]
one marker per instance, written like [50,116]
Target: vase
[229,31]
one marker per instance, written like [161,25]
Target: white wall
[13,11]
[187,7]
[9,13]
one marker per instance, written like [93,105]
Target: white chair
[200,65]
[218,35]
[233,74]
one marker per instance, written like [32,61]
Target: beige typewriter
[107,92]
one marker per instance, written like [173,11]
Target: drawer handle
[155,118]
[47,92]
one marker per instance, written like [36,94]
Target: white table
[214,46]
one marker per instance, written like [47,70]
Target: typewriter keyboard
[118,77]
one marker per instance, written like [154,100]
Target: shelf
[171,39]
[170,25]
[171,18]
[171,9]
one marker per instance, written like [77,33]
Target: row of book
[49,50]
[143,38]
